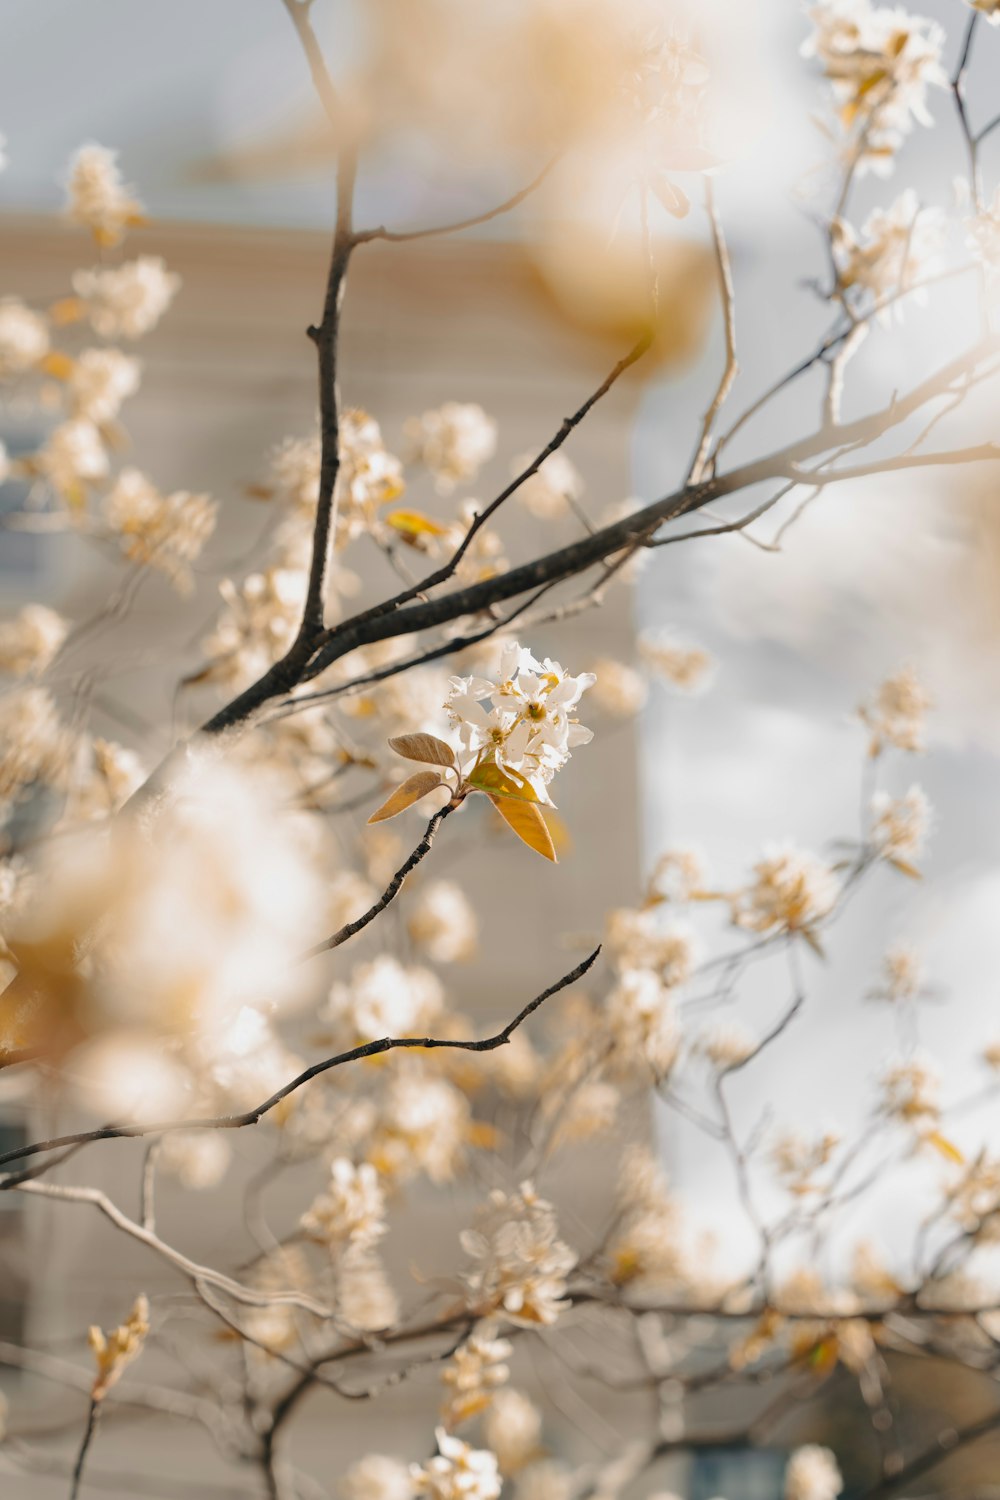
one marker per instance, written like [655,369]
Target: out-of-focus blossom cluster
[521,1264]
[881,62]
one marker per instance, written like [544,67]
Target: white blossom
[457,1472]
[684,666]
[897,714]
[350,1209]
[642,1018]
[97,197]
[791,891]
[880,61]
[812,1474]
[197,1158]
[101,379]
[531,729]
[31,639]
[165,532]
[474,1373]
[129,300]
[73,458]
[619,689]
[453,441]
[442,922]
[512,1428]
[897,247]
[24,337]
[522,1264]
[900,824]
[548,492]
[376,1477]
[383,998]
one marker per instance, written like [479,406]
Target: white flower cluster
[97,197]
[384,998]
[442,923]
[548,492]
[126,301]
[791,891]
[900,825]
[74,458]
[812,1474]
[24,337]
[350,1209]
[165,532]
[31,639]
[475,1371]
[100,380]
[880,61]
[897,247]
[522,1264]
[377,1477]
[453,441]
[457,1472]
[685,667]
[898,712]
[530,729]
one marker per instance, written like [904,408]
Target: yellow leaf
[426,747]
[415,523]
[561,837]
[490,779]
[905,868]
[412,789]
[57,364]
[527,822]
[946,1148]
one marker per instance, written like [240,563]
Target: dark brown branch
[93,1412]
[392,890]
[354,1054]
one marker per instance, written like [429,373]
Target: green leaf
[425,747]
[527,822]
[411,790]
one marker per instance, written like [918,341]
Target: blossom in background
[812,1474]
[35,745]
[512,1428]
[261,616]
[686,667]
[457,1472]
[165,532]
[897,714]
[424,1125]
[365,1296]
[639,940]
[383,998]
[791,891]
[531,729]
[101,379]
[642,1018]
[989,9]
[984,230]
[897,247]
[198,1159]
[900,825]
[24,337]
[349,1210]
[453,441]
[797,1159]
[474,1373]
[97,197]
[376,1477]
[880,61]
[522,1264]
[73,458]
[295,466]
[31,639]
[548,492]
[369,475]
[442,923]
[619,689]
[726,1044]
[126,301]
[678,875]
[910,1090]
[902,974]
[548,1480]
[113,1352]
